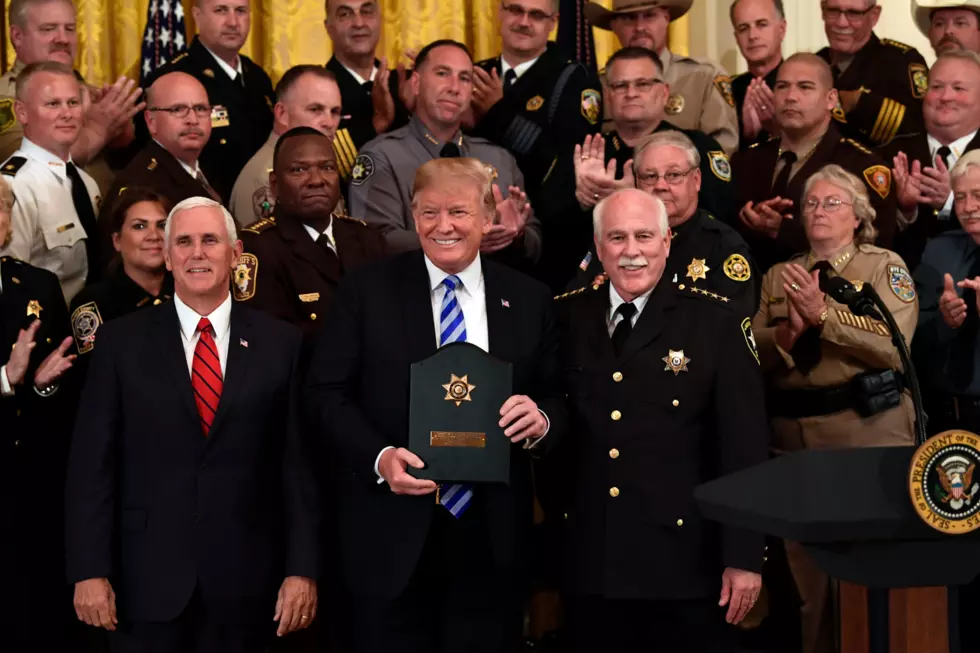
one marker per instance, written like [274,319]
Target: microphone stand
[871,305]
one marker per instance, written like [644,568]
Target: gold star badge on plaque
[458,389]
[697,269]
[34,308]
[676,361]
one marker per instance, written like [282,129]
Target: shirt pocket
[62,235]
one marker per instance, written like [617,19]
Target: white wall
[711,30]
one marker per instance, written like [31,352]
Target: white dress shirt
[472,300]
[956,149]
[357,78]
[519,69]
[231,72]
[220,321]
[615,300]
[191,171]
[328,232]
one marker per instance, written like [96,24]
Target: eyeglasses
[852,15]
[672,178]
[829,204]
[181,110]
[643,85]
[534,15]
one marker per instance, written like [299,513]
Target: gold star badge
[458,389]
[34,308]
[676,361]
[697,269]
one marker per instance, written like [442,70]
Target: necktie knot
[452,282]
[509,78]
[943,153]
[627,310]
[204,326]
[788,157]
[449,151]
[368,86]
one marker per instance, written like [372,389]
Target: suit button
[616,415]
[681,287]
[157,302]
[675,403]
[617,376]
[47,340]
[765,558]
[680,522]
[223,141]
[614,492]
[16,443]
[312,316]
[614,453]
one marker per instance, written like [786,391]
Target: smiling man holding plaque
[427,575]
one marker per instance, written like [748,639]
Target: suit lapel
[416,306]
[236,369]
[171,349]
[501,331]
[652,320]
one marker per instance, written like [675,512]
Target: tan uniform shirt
[251,198]
[849,345]
[11,131]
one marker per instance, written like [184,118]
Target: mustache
[520,29]
[949,38]
[633,261]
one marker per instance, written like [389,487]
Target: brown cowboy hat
[601,17]
[922,10]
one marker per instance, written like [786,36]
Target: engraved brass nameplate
[457,439]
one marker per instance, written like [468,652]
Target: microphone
[844,293]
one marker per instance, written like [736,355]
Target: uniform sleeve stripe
[522,135]
[885,116]
[346,151]
[899,117]
[861,322]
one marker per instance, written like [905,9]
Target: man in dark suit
[428,575]
[304,248]
[188,488]
[373,98]
[239,91]
[177,118]
[760,27]
[922,161]
[666,393]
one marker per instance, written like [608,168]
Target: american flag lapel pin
[243,342]
[505,303]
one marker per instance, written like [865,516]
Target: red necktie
[206,375]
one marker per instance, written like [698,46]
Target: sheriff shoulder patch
[85,321]
[262,202]
[900,281]
[362,170]
[7,118]
[591,105]
[246,277]
[879,179]
[724,85]
[750,338]
[720,165]
[535,103]
[919,79]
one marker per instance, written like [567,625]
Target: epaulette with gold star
[260,225]
[13,166]
[856,145]
[896,44]
[344,216]
[691,291]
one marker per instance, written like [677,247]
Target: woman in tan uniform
[833,378]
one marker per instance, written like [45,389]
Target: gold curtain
[289,32]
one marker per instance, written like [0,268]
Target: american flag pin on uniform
[243,342]
[505,303]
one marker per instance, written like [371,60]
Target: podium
[850,508]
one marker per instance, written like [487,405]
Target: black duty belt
[867,394]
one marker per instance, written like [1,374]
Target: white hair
[669,138]
[196,203]
[600,209]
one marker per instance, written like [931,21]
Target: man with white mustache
[880,82]
[664,391]
[381,181]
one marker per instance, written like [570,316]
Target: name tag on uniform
[219,116]
[65,227]
[309,297]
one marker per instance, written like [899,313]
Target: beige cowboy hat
[922,10]
[601,17]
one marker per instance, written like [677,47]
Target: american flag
[164,37]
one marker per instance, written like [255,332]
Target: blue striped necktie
[456,497]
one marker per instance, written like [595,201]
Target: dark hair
[293,133]
[778,4]
[291,76]
[634,53]
[424,52]
[129,197]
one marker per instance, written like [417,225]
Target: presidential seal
[942,482]
[458,389]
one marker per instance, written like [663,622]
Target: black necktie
[943,153]
[625,327]
[86,215]
[333,262]
[509,78]
[368,86]
[781,184]
[450,151]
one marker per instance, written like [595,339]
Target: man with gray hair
[674,581]
[707,254]
[200,504]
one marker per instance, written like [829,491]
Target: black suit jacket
[643,436]
[381,323]
[159,508]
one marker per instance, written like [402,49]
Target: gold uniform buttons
[312,316]
[681,287]
[680,522]
[617,376]
[157,302]
[616,415]
[223,141]
[675,403]
[614,453]
[614,492]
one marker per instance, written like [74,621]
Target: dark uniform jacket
[755,169]
[705,254]
[241,116]
[893,78]
[357,126]
[34,433]
[682,405]
[740,86]
[286,273]
[910,242]
[549,110]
